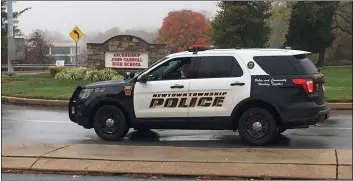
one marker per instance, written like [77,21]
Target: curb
[167,161]
[240,170]
[44,102]
[40,102]
[340,106]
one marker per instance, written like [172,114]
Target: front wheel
[281,130]
[110,124]
[257,127]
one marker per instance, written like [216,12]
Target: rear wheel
[110,123]
[144,130]
[281,130]
[257,127]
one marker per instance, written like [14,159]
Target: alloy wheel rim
[257,127]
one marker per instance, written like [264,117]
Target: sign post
[10,38]
[76,34]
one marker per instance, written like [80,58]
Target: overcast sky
[63,16]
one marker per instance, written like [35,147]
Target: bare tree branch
[16,14]
[341,16]
[340,27]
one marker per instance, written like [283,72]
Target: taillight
[307,84]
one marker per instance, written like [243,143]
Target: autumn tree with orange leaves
[180,29]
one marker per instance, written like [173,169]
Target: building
[64,51]
[19,51]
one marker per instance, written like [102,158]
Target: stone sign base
[123,43]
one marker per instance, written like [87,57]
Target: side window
[219,67]
[174,69]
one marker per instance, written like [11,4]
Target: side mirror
[143,78]
[132,75]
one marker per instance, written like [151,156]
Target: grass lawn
[40,86]
[338,85]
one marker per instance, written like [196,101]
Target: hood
[108,83]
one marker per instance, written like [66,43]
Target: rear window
[286,65]
[304,65]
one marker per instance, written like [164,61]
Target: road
[52,125]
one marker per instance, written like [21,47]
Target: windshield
[155,63]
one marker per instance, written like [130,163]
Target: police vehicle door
[222,82]
[165,93]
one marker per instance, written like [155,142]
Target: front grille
[73,103]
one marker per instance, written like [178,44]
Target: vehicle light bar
[196,48]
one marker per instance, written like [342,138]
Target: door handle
[176,86]
[237,83]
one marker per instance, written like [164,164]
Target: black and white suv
[259,92]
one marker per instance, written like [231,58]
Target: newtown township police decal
[180,100]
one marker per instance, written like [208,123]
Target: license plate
[318,87]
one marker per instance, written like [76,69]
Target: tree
[343,17]
[207,14]
[180,29]
[279,21]
[37,48]
[104,36]
[311,26]
[242,24]
[149,36]
[55,36]
[16,30]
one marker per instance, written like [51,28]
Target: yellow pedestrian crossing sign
[76,34]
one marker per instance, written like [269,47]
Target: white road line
[331,128]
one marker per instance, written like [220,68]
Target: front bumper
[73,103]
[76,110]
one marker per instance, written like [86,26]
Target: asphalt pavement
[53,126]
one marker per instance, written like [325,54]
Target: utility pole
[10,38]
[76,55]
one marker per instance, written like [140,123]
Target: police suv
[259,92]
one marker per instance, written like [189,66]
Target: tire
[120,128]
[281,130]
[263,137]
[143,130]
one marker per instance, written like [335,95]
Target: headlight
[85,93]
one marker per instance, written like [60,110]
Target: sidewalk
[163,160]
